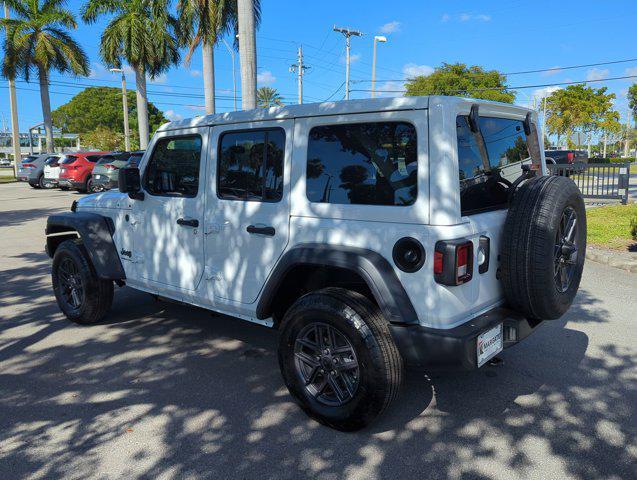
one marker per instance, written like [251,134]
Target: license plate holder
[488,344]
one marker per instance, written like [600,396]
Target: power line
[552,69]
[518,87]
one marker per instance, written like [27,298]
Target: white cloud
[466,17]
[540,93]
[391,27]
[173,116]
[630,71]
[196,108]
[390,89]
[159,79]
[195,73]
[413,70]
[597,74]
[553,71]
[266,78]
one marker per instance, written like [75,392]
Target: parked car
[52,170]
[106,170]
[577,159]
[32,169]
[5,162]
[374,234]
[76,170]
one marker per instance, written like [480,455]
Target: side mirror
[130,182]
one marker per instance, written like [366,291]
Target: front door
[247,227]
[169,245]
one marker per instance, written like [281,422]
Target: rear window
[68,159]
[487,160]
[93,158]
[363,163]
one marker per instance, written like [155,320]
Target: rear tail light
[570,156]
[453,261]
[28,165]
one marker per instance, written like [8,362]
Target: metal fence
[604,181]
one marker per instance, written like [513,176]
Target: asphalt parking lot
[166,391]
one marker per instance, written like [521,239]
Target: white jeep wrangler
[374,234]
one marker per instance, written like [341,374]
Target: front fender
[96,232]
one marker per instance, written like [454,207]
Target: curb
[611,259]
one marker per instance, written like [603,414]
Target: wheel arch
[96,233]
[377,279]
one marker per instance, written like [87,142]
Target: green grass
[633,168]
[7,179]
[609,226]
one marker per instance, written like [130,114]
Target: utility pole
[543,121]
[247,54]
[15,128]
[125,107]
[299,68]
[234,76]
[348,33]
[377,38]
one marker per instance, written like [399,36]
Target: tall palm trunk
[142,107]
[207,52]
[46,109]
[605,142]
[247,54]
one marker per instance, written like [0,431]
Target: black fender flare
[375,270]
[96,232]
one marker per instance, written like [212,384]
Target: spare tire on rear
[544,246]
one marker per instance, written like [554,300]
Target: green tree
[103,138]
[203,23]
[268,97]
[632,100]
[37,40]
[142,33]
[459,80]
[578,108]
[101,107]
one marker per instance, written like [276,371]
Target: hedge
[611,160]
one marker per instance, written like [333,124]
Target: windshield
[68,159]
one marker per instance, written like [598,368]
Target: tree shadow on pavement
[169,391]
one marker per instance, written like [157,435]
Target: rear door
[488,162]
[248,211]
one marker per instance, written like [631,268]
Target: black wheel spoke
[326,363]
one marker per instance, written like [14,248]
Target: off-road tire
[380,363]
[98,293]
[528,254]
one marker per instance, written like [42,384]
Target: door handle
[188,222]
[269,231]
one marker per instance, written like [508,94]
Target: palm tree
[37,40]
[268,97]
[204,22]
[247,53]
[142,33]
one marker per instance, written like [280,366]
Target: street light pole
[299,68]
[348,34]
[377,38]
[15,127]
[544,120]
[125,107]
[234,76]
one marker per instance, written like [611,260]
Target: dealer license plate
[489,344]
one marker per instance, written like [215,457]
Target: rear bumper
[70,183]
[455,348]
[105,182]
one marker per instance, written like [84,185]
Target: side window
[173,169]
[487,160]
[363,163]
[250,165]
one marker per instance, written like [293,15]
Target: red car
[76,169]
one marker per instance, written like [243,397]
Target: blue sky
[510,36]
